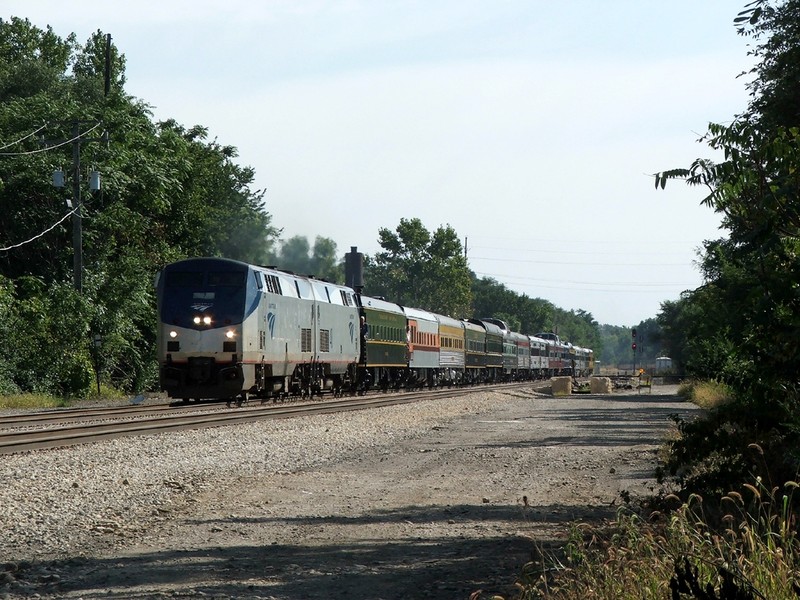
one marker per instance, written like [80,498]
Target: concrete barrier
[600,385]
[562,386]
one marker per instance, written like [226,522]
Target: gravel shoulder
[437,499]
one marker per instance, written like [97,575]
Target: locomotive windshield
[183,279]
[227,279]
[191,293]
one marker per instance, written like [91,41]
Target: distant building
[663,365]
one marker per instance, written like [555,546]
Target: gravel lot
[437,499]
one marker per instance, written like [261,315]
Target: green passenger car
[475,337]
[386,341]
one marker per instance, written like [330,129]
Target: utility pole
[77,203]
[77,218]
[94,179]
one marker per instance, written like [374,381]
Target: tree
[616,345]
[420,269]
[324,260]
[774,90]
[494,299]
[533,315]
[577,327]
[744,323]
[167,193]
[296,255]
[32,61]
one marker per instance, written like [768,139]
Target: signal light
[633,346]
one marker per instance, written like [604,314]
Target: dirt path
[442,516]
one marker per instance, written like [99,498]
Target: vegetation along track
[51,429]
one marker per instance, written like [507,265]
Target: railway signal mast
[633,347]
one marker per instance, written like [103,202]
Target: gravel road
[437,499]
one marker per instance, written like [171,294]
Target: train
[234,331]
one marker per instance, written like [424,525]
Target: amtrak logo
[271,324]
[352,333]
[201,307]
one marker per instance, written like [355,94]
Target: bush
[45,339]
[706,394]
[29,401]
[746,548]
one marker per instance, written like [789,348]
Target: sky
[533,128]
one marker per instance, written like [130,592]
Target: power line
[588,264]
[616,287]
[593,290]
[540,240]
[609,283]
[77,222]
[23,138]
[581,252]
[46,231]
[58,145]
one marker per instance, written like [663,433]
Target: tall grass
[745,548]
[705,394]
[31,401]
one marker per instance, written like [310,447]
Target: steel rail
[21,441]
[57,415]
[52,437]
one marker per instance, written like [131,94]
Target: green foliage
[429,271]
[743,326]
[616,344]
[43,338]
[494,299]
[706,394]
[31,60]
[296,255]
[30,401]
[745,547]
[125,321]
[712,452]
[107,392]
[579,328]
[421,269]
[7,384]
[532,315]
[167,193]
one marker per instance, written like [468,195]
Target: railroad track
[66,415]
[52,429]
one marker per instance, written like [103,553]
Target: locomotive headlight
[196,320]
[207,320]
[229,334]
[173,334]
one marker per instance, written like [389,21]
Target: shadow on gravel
[413,567]
[608,427]
[459,514]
